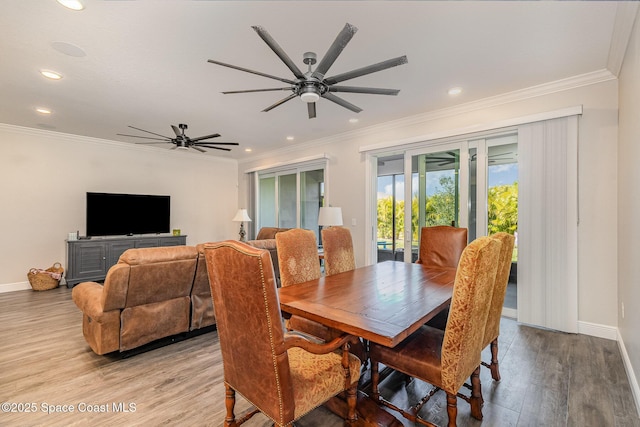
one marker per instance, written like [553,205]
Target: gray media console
[89,260]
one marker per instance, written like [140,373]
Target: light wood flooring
[548,378]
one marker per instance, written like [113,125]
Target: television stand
[89,260]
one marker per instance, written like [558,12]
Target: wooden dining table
[383,303]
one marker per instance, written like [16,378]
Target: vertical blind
[548,224]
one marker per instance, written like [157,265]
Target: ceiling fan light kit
[312,85]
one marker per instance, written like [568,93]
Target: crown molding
[626,13]
[549,88]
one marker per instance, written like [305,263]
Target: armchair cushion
[317,377]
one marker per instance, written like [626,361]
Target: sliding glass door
[291,198]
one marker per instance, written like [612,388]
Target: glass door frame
[463,186]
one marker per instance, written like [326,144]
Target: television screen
[110,214]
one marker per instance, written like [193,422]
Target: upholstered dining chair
[441,246]
[299,262]
[283,376]
[338,250]
[447,358]
[492,329]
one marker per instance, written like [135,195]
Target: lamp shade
[241,216]
[329,216]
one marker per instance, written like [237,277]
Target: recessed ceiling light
[43,110]
[248,150]
[455,91]
[72,4]
[51,74]
[290,138]
[354,120]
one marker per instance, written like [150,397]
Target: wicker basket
[43,280]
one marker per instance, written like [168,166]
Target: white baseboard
[11,287]
[511,313]
[597,330]
[633,380]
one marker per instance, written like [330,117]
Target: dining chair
[441,246]
[447,358]
[492,330]
[299,262]
[281,375]
[338,250]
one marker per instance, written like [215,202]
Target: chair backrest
[441,246]
[297,256]
[500,287]
[338,250]
[249,325]
[159,274]
[472,292]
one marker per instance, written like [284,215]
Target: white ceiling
[145,62]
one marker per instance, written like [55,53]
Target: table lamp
[330,216]
[241,217]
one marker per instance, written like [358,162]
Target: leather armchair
[283,376]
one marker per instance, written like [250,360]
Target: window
[291,197]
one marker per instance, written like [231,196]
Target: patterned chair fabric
[297,256]
[497,301]
[338,250]
[441,246]
[447,358]
[283,376]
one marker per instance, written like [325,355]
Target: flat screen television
[110,214]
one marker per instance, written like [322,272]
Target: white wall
[597,173]
[629,204]
[45,175]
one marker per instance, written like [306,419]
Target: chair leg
[452,409]
[476,399]
[352,416]
[495,371]
[230,403]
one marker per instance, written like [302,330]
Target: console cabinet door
[147,243]
[116,249]
[90,260]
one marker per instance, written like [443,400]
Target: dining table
[382,303]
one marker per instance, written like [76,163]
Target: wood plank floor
[548,378]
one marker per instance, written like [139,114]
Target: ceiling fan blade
[282,101]
[341,102]
[214,148]
[148,143]
[368,90]
[199,149]
[389,63]
[177,131]
[205,143]
[200,138]
[264,35]
[144,137]
[235,67]
[311,108]
[142,130]
[256,90]
[335,49]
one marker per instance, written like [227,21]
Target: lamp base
[242,233]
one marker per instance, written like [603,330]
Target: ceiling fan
[313,85]
[183,141]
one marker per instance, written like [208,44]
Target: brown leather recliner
[202,312]
[145,297]
[266,239]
